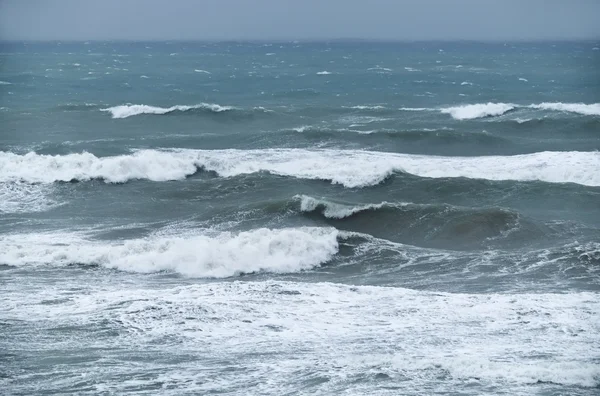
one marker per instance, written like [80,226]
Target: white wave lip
[579,108]
[351,168]
[125,111]
[333,210]
[261,250]
[479,110]
[324,73]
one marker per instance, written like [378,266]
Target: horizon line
[307,40]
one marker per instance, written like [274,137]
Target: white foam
[202,71]
[410,69]
[351,168]
[469,112]
[579,108]
[443,342]
[25,198]
[466,83]
[335,210]
[362,107]
[413,109]
[523,79]
[132,110]
[5,83]
[144,76]
[323,73]
[224,255]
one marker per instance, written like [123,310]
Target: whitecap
[351,168]
[469,112]
[125,111]
[226,254]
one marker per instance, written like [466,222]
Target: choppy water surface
[300,218]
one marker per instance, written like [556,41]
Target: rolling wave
[351,168]
[125,111]
[579,108]
[427,225]
[469,112]
[224,255]
[490,109]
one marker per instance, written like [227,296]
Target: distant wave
[351,168]
[202,71]
[469,112]
[579,108]
[324,73]
[5,83]
[490,109]
[365,107]
[223,255]
[125,111]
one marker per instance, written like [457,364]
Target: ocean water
[300,218]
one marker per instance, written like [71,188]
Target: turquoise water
[270,218]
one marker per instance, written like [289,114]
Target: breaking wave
[469,112]
[224,255]
[125,111]
[351,168]
[579,108]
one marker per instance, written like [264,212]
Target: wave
[427,225]
[469,112]
[5,83]
[324,73]
[202,71]
[351,168]
[363,107]
[334,210]
[579,108]
[224,255]
[125,111]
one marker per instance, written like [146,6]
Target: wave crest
[480,110]
[351,168]
[125,111]
[579,108]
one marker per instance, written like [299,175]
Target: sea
[295,218]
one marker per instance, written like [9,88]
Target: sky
[299,19]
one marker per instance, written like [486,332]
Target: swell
[426,225]
[424,135]
[350,168]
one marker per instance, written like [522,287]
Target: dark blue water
[300,218]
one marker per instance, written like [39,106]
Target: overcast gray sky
[298,19]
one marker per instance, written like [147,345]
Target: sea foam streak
[280,251]
[351,168]
[125,111]
[469,112]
